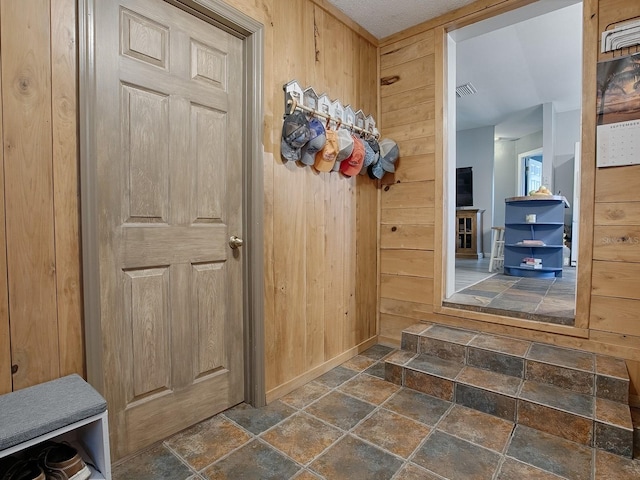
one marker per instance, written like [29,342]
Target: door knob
[235,242]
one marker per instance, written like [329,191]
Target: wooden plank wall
[615,297]
[320,231]
[407,94]
[407,201]
[39,121]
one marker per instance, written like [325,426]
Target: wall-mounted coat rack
[620,35]
[306,100]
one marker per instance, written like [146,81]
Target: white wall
[567,134]
[475,148]
[504,175]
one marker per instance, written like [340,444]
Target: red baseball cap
[352,165]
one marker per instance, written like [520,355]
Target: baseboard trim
[291,385]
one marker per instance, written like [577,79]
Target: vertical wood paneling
[26,98]
[408,196]
[289,230]
[65,185]
[324,284]
[5,342]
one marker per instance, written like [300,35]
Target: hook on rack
[294,105]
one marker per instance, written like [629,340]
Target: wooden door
[169,164]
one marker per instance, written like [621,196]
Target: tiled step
[635,417]
[582,372]
[568,393]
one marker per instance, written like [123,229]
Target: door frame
[251,33]
[520,170]
[445,150]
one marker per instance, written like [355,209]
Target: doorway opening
[519,131]
[530,167]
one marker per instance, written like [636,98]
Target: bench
[66,409]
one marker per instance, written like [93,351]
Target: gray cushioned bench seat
[34,411]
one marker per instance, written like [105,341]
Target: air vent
[465,90]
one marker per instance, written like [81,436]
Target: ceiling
[382,18]
[517,61]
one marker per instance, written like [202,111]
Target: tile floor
[351,424]
[547,300]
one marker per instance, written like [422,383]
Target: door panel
[170,196]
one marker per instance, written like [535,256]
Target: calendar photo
[618,115]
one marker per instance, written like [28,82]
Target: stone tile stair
[572,394]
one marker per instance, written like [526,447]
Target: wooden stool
[497,249]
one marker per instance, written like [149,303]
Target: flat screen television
[464,187]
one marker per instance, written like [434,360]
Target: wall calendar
[618,132]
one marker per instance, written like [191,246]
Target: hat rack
[306,100]
[293,104]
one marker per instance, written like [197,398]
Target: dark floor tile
[550,453]
[302,437]
[487,402]
[469,302]
[417,328]
[376,370]
[536,289]
[496,362]
[613,467]
[442,349]
[477,292]
[419,406]
[340,410]
[562,424]
[448,334]
[569,378]
[399,357]
[303,396]
[336,376]
[377,352]
[435,366]
[358,363]
[306,475]
[563,357]
[254,461]
[611,367]
[368,388]
[614,413]
[506,345]
[257,420]
[394,373]
[158,462]
[352,458]
[514,470]
[552,396]
[456,459]
[493,381]
[392,432]
[612,388]
[410,335]
[429,384]
[413,472]
[512,305]
[614,439]
[477,427]
[207,441]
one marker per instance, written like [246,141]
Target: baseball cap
[388,155]
[369,157]
[345,147]
[315,143]
[326,158]
[351,165]
[295,133]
